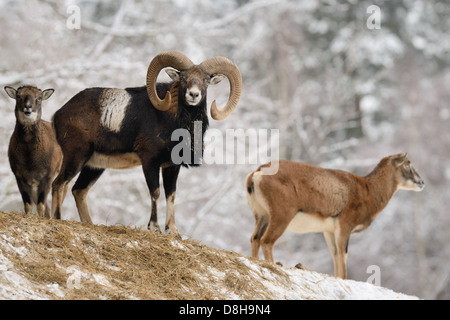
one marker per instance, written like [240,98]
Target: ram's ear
[216,78]
[11,92]
[173,74]
[399,159]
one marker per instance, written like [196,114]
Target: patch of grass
[119,262]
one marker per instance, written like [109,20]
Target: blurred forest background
[343,95]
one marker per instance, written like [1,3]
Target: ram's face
[193,80]
[193,83]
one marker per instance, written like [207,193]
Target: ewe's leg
[331,243]
[274,231]
[341,256]
[261,223]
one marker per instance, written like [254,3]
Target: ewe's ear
[399,159]
[216,78]
[47,93]
[173,74]
[11,92]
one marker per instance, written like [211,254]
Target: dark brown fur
[34,154]
[145,132]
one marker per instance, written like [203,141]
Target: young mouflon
[34,154]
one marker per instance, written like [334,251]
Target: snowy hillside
[42,259]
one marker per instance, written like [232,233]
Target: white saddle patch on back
[114,103]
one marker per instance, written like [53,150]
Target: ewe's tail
[249,183]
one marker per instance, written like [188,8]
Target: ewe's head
[28,103]
[408,178]
[194,81]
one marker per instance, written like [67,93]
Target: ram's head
[194,81]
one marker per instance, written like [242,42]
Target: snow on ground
[14,286]
[276,282]
[303,284]
[307,284]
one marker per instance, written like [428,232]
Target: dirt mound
[51,259]
[118,262]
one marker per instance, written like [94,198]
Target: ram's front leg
[151,172]
[170,176]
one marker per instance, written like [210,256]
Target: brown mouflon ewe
[305,198]
[34,154]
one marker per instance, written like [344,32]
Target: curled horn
[172,59]
[221,65]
